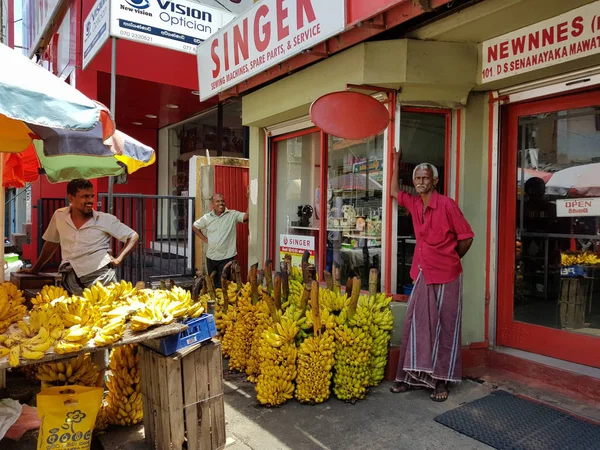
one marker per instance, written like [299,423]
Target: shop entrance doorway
[549,255]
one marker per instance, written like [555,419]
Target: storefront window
[558,220]
[297,196]
[423,139]
[354,206]
[201,134]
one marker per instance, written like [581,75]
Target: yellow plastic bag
[68,415]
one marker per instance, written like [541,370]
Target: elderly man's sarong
[431,342]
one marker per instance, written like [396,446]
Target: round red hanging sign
[349,115]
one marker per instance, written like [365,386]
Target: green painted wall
[473,202]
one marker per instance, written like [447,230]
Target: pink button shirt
[438,232]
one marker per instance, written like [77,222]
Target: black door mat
[506,422]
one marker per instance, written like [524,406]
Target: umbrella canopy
[60,130]
[530,173]
[578,181]
[31,95]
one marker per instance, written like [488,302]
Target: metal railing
[166,248]
[45,210]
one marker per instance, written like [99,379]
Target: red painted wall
[357,10]
[233,183]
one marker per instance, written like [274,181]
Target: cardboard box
[27,281]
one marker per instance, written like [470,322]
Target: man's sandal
[440,393]
[403,387]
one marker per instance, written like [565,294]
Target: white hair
[427,166]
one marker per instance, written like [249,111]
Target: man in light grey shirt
[84,236]
[218,230]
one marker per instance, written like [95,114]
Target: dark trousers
[217,266]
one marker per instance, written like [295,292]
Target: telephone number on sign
[189,48]
[133,35]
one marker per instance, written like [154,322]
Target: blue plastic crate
[199,330]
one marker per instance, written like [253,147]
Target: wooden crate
[573,297]
[183,398]
[27,281]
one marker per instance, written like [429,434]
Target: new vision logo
[138,4]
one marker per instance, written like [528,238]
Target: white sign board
[95,30]
[295,246]
[578,207]
[269,33]
[572,35]
[174,24]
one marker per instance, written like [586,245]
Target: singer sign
[271,32]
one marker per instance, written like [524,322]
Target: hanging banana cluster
[241,334]
[316,353]
[353,350]
[264,320]
[226,316]
[80,371]
[49,293]
[12,307]
[277,362]
[102,418]
[381,332]
[124,399]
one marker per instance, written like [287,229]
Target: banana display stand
[183,397]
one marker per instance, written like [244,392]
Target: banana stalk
[354,297]
[238,275]
[254,284]
[285,280]
[373,278]
[305,296]
[328,280]
[337,276]
[268,272]
[304,266]
[277,291]
[288,262]
[316,312]
[210,286]
[349,287]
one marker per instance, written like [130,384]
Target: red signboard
[349,115]
[358,10]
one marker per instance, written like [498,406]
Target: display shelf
[129,337]
[304,228]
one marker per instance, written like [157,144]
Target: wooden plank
[203,393]
[190,399]
[216,402]
[165,402]
[157,405]
[146,378]
[175,392]
[129,337]
[2,378]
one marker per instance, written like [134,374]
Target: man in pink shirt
[430,356]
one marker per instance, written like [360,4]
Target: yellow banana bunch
[381,331]
[332,300]
[264,320]
[110,331]
[124,399]
[277,363]
[80,371]
[225,319]
[352,363]
[49,293]
[155,311]
[12,308]
[315,361]
[295,275]
[241,334]
[102,418]
[296,290]
[581,258]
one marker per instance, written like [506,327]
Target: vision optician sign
[572,35]
[271,32]
[95,30]
[174,24]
